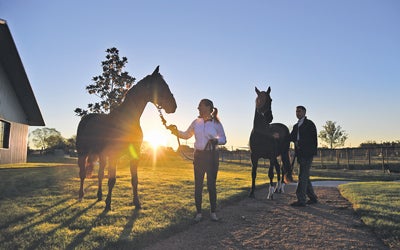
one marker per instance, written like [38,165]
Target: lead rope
[164,122]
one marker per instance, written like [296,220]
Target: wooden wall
[17,151]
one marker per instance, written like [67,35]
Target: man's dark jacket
[307,145]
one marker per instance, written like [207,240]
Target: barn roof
[14,69]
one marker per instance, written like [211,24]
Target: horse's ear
[269,90]
[156,70]
[257,91]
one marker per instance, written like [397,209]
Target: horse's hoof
[80,195]
[99,197]
[137,205]
[108,203]
[136,202]
[271,192]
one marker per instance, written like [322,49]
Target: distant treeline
[380,145]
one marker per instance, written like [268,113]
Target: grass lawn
[39,207]
[378,205]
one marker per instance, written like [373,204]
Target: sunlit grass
[378,204]
[41,208]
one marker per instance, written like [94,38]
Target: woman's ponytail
[214,114]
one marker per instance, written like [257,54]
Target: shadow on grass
[78,240]
[129,225]
[23,218]
[67,223]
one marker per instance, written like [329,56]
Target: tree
[71,143]
[333,134]
[110,86]
[46,138]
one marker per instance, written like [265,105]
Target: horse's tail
[287,166]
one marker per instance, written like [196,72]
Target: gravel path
[273,224]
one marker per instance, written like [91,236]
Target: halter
[266,114]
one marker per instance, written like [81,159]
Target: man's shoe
[298,204]
[198,218]
[312,201]
[213,217]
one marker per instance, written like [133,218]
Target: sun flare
[155,139]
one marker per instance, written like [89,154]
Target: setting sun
[155,139]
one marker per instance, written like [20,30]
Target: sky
[339,59]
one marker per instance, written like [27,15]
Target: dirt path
[264,224]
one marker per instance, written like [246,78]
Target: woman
[208,133]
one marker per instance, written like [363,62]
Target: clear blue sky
[340,59]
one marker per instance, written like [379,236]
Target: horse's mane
[140,84]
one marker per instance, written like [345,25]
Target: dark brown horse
[269,141]
[110,136]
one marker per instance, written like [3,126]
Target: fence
[350,158]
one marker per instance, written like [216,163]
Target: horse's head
[263,101]
[161,94]
[155,90]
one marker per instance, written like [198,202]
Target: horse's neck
[260,122]
[132,107]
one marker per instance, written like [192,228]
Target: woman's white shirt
[203,132]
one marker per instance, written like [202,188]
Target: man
[304,135]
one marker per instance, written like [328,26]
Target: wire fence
[385,158]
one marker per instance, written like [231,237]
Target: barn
[18,106]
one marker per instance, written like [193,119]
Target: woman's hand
[174,129]
[214,141]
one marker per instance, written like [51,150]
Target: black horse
[110,136]
[269,141]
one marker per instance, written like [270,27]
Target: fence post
[369,156]
[348,159]
[383,160]
[320,157]
[337,157]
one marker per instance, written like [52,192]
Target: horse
[269,141]
[118,133]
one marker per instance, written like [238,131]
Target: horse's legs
[133,166]
[272,163]
[279,188]
[287,167]
[112,175]
[102,165]
[82,174]
[254,164]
